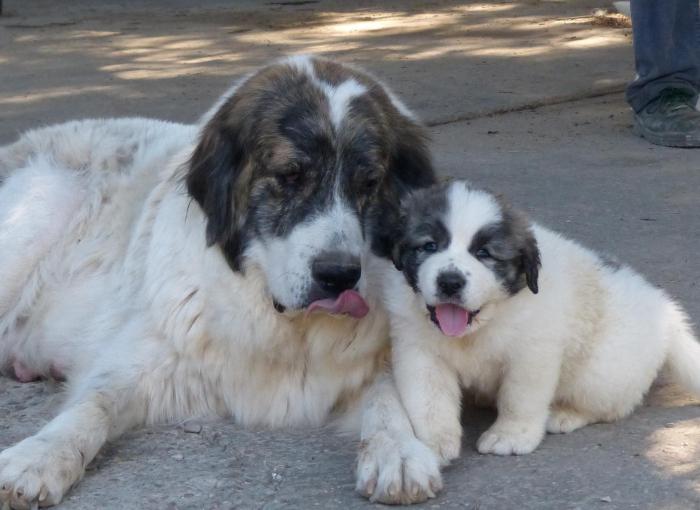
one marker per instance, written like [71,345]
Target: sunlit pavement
[522,97]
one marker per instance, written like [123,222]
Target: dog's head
[463,251]
[293,169]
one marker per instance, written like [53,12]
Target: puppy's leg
[41,469]
[431,394]
[527,390]
[393,465]
[563,420]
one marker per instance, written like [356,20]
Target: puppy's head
[464,251]
[292,169]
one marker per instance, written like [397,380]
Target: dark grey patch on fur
[270,159]
[514,256]
[423,218]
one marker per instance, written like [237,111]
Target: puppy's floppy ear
[519,229]
[214,174]
[530,255]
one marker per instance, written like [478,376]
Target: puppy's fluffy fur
[573,342]
[169,271]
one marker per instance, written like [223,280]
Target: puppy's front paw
[37,472]
[563,421]
[397,470]
[510,439]
[447,444]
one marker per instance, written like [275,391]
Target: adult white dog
[219,269]
[573,342]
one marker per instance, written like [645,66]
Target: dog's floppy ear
[409,168]
[409,163]
[396,254]
[530,255]
[214,174]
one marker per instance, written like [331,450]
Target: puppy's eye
[483,253]
[429,247]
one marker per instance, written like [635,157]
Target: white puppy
[517,313]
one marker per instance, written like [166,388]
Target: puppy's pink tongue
[348,302]
[452,319]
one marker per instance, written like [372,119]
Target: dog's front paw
[397,470]
[37,472]
[510,439]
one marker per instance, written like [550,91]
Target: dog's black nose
[450,283]
[336,272]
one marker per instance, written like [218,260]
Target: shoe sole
[680,140]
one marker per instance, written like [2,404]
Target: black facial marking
[422,224]
[508,247]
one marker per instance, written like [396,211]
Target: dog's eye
[483,253]
[291,175]
[429,247]
[371,183]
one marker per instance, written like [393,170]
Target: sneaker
[671,120]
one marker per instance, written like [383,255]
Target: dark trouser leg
[666,48]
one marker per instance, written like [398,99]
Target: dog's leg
[41,469]
[431,394]
[527,390]
[393,465]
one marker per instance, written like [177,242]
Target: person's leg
[664,96]
[666,48]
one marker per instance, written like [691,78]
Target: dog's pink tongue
[452,319]
[348,302]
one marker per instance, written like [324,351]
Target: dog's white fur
[106,277]
[585,349]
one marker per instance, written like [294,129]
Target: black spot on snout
[335,272]
[450,283]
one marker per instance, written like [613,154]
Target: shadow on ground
[447,59]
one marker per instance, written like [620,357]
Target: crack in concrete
[610,90]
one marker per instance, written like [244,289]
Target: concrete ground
[524,97]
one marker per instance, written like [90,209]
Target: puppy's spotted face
[293,170]
[463,251]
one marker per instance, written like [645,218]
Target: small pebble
[606,499]
[178,456]
[192,427]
